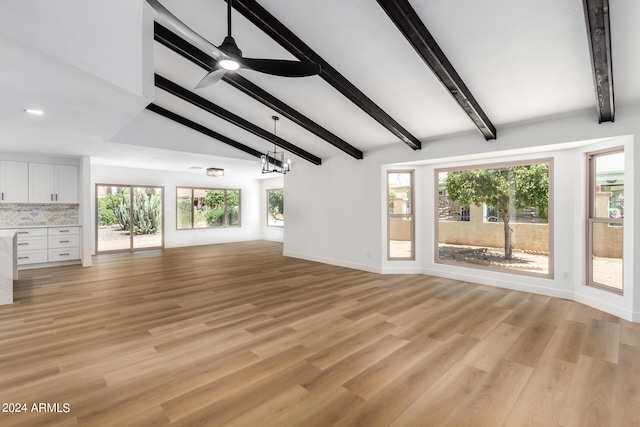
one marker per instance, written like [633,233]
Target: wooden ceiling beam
[180,46]
[208,106]
[596,14]
[169,39]
[202,129]
[267,23]
[416,33]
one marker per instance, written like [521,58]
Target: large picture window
[605,219]
[207,208]
[275,207]
[496,217]
[400,215]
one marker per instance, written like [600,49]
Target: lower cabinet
[64,243]
[32,245]
[52,244]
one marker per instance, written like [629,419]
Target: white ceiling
[523,61]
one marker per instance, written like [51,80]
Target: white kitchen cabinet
[14,179]
[32,246]
[66,178]
[50,183]
[48,245]
[63,244]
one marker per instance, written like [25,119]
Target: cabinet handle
[64,254]
[63,231]
[23,257]
[56,197]
[23,244]
[22,232]
[52,197]
[2,196]
[64,241]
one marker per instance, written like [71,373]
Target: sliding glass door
[121,227]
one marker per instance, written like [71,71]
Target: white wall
[250,203]
[335,212]
[107,33]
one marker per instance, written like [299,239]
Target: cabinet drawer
[63,254]
[63,231]
[69,241]
[29,232]
[32,257]
[31,243]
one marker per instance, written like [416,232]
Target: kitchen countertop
[16,227]
[8,265]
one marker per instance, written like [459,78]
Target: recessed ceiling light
[34,111]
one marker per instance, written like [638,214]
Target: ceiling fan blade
[169,20]
[211,78]
[281,67]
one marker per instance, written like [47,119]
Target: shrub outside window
[207,208]
[496,217]
[275,207]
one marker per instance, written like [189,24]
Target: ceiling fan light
[231,50]
[229,64]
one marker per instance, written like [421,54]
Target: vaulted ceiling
[393,72]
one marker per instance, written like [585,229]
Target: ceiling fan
[228,56]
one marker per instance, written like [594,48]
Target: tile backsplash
[31,214]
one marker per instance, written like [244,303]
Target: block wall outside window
[496,217]
[400,215]
[605,220]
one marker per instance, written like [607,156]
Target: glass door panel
[147,217]
[114,219]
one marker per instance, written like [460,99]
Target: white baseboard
[335,262]
[512,283]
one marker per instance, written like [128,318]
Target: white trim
[335,262]
[607,307]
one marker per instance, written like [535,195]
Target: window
[400,215]
[495,217]
[207,208]
[605,219]
[275,207]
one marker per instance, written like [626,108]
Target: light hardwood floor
[238,335]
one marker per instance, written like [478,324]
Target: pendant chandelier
[274,160]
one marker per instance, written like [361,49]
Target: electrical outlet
[566,275]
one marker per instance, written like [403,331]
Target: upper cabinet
[53,183]
[14,178]
[66,178]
